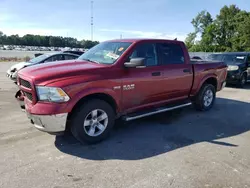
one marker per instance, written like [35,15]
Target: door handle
[156,73]
[187,70]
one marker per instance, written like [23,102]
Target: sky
[167,19]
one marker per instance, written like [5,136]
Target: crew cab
[126,79]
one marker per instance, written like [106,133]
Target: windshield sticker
[240,57]
[120,49]
[112,55]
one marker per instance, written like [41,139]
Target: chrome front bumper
[49,123]
[223,85]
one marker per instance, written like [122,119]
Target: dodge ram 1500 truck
[126,79]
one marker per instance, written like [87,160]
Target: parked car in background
[74,52]
[44,58]
[126,79]
[67,51]
[238,71]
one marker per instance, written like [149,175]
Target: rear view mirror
[135,62]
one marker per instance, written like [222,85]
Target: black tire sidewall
[78,121]
[240,84]
[200,101]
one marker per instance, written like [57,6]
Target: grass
[14,59]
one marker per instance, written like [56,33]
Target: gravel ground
[183,148]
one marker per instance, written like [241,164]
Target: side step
[155,111]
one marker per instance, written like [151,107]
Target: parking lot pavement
[183,148]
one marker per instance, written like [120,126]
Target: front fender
[84,93]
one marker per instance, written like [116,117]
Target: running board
[157,111]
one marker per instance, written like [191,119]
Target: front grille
[25,83]
[28,95]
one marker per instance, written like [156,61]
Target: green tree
[225,22]
[38,40]
[230,31]
[190,40]
[201,21]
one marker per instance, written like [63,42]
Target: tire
[85,125]
[242,82]
[205,99]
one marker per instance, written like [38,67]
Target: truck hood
[233,63]
[54,71]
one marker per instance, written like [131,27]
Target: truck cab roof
[132,40]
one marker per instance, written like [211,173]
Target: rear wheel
[205,99]
[93,122]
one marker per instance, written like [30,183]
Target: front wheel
[93,122]
[243,80]
[205,99]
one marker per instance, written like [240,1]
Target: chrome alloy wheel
[95,122]
[208,97]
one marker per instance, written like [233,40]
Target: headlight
[232,67]
[14,75]
[13,70]
[51,94]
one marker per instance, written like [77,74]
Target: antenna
[91,20]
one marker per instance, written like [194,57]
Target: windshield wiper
[91,61]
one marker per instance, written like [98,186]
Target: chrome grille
[25,83]
[28,95]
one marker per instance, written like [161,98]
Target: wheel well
[212,81]
[102,96]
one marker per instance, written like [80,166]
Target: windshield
[105,52]
[235,58]
[215,57]
[39,58]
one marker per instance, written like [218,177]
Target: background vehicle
[238,71]
[49,57]
[126,79]
[74,52]
[67,51]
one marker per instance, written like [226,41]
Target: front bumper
[223,85]
[233,76]
[49,123]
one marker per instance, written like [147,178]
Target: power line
[92,20]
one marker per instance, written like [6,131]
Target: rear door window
[69,57]
[170,53]
[54,58]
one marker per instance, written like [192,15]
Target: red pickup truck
[127,78]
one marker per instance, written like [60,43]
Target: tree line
[46,41]
[228,31]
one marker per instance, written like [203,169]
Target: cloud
[148,34]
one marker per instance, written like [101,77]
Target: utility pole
[92,20]
[120,36]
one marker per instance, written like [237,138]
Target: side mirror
[135,63]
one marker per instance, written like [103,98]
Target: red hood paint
[55,71]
